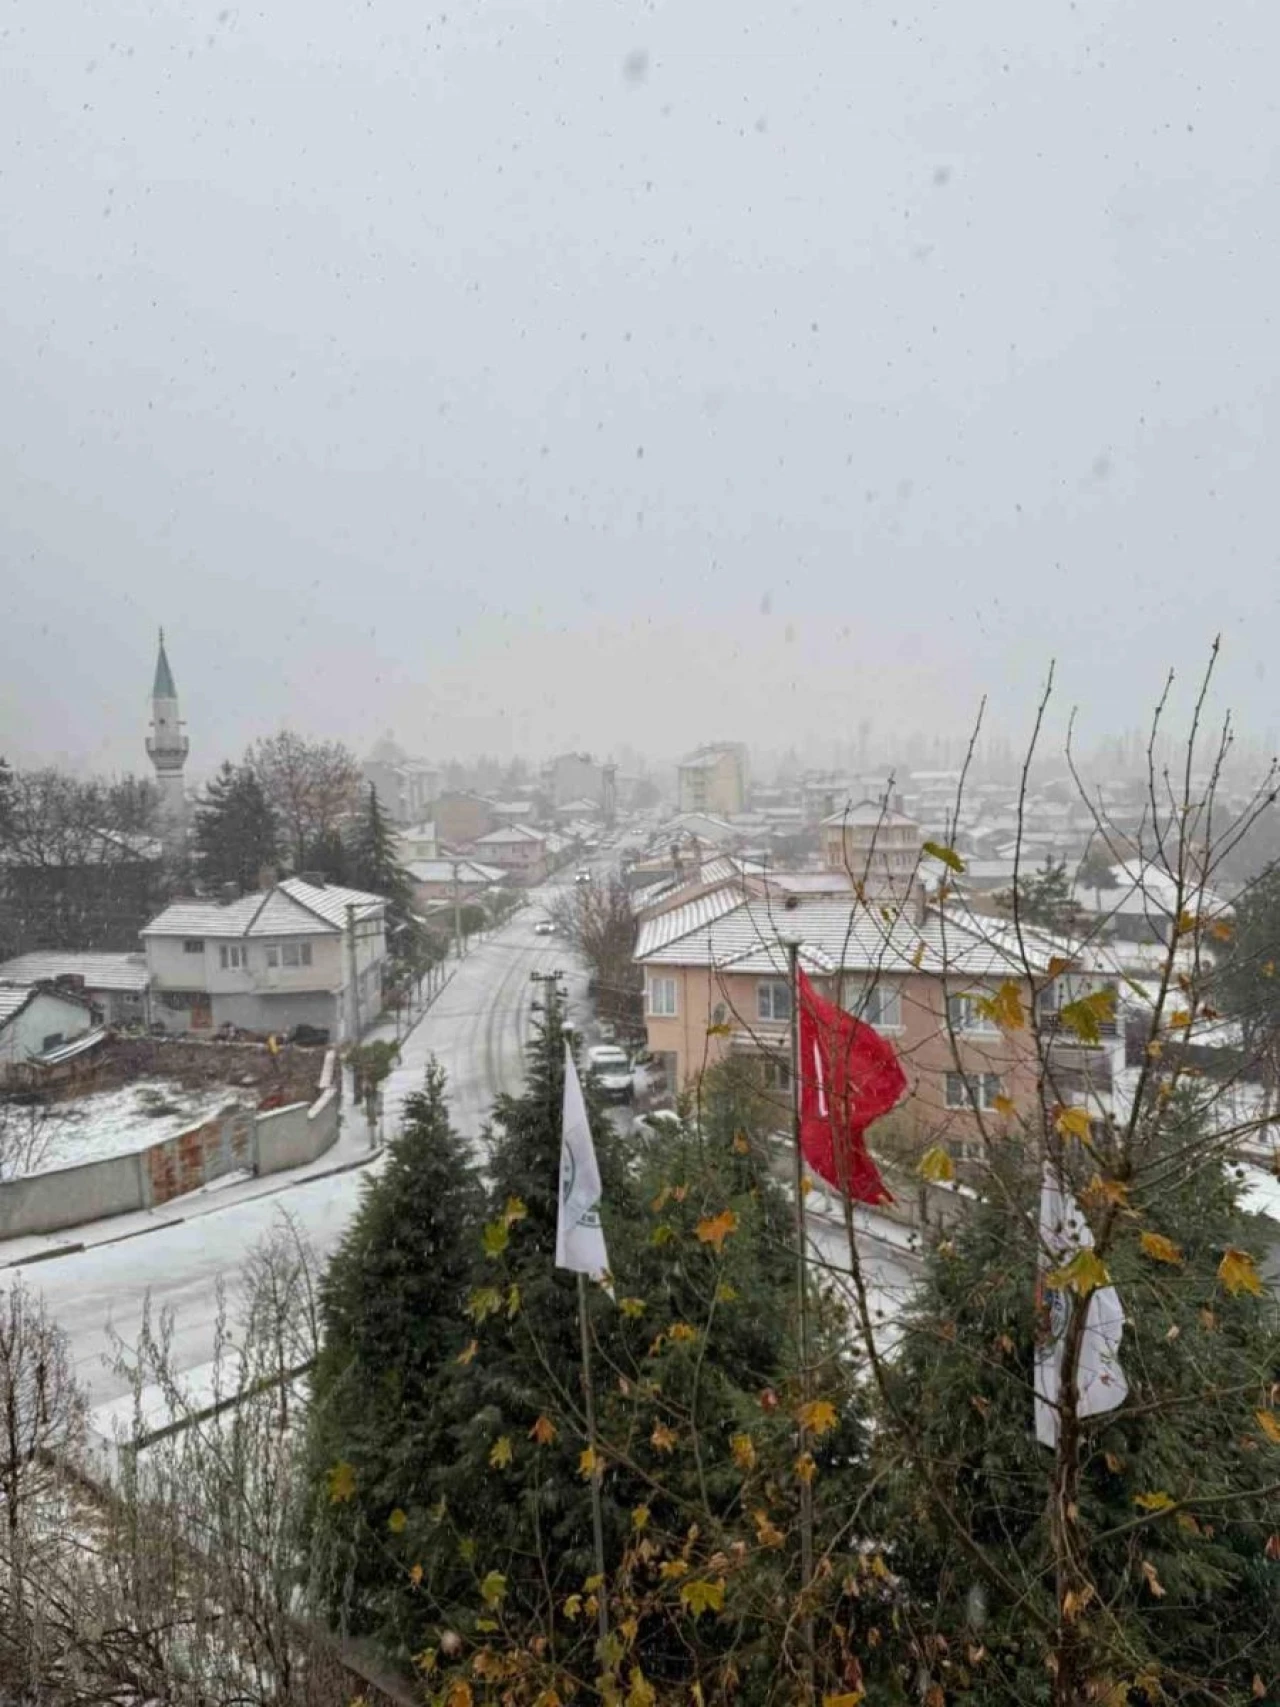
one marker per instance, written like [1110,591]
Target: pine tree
[1179,1498]
[1045,898]
[235,830]
[393,1305]
[374,864]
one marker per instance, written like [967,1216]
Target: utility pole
[457,914]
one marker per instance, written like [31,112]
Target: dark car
[310,1036]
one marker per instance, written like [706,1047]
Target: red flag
[849,1076]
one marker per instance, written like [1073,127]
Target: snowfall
[113,1123]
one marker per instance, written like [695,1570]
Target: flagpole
[802,1310]
[597,1516]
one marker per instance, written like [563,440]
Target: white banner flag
[579,1235]
[1100,1381]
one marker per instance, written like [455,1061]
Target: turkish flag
[849,1076]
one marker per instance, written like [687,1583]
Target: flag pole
[802,1311]
[597,1516]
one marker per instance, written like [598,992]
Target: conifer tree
[235,830]
[393,1305]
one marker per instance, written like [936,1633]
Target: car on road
[582,875]
[544,927]
[611,1068]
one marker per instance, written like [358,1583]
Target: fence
[239,1140]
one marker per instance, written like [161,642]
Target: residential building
[300,953]
[167,748]
[462,818]
[520,851]
[117,985]
[436,880]
[405,787]
[36,1018]
[714,779]
[577,776]
[418,841]
[876,845]
[716,987]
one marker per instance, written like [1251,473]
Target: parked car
[612,1071]
[658,1122]
[544,927]
[582,875]
[313,1036]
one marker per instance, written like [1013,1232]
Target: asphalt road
[476,1029]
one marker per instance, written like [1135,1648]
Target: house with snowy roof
[302,953]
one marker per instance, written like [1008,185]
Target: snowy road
[477,1029]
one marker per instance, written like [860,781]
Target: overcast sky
[516,376]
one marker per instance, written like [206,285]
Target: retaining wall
[264,1142]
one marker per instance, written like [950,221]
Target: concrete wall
[277,1012]
[239,1138]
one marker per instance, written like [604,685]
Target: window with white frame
[662,998]
[295,954]
[964,1014]
[875,1000]
[231,956]
[773,999]
[973,1090]
[775,1072]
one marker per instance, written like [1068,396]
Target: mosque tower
[167,748]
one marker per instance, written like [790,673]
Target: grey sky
[516,376]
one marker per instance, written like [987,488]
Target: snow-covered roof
[747,936]
[868,814]
[292,908]
[508,834]
[99,971]
[441,871]
[1146,889]
[14,997]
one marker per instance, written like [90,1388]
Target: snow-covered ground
[1261,1192]
[112,1123]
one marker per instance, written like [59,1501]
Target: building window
[964,1014]
[773,999]
[231,956]
[662,998]
[295,953]
[775,1072]
[977,1090]
[193,945]
[877,1002]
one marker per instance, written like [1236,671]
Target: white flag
[1100,1381]
[579,1235]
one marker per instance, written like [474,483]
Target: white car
[612,1071]
[544,927]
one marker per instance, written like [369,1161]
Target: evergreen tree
[374,865]
[1179,1498]
[393,1303]
[328,855]
[1249,980]
[1045,899]
[235,830]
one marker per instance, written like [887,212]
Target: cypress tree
[235,829]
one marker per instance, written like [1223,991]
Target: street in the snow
[476,1029]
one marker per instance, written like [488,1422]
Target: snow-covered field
[112,1123]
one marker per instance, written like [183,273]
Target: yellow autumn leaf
[1269,1423]
[850,1698]
[818,1416]
[673,1568]
[631,1307]
[726,1294]
[342,1483]
[663,1439]
[1239,1273]
[493,1588]
[1222,929]
[767,1532]
[682,1333]
[715,1229]
[1155,1049]
[700,1595]
[947,856]
[500,1455]
[640,1692]
[1073,1123]
[543,1431]
[513,1301]
[805,1467]
[572,1606]
[640,1517]
[936,1166]
[590,1463]
[459,1694]
[1159,1248]
[1153,1581]
[741,1145]
[515,1211]
[1004,1106]
[723,1029]
[496,1237]
[1179,1019]
[1004,1009]
[415,1576]
[468,1352]
[744,1451]
[917,957]
[1157,1501]
[484,1301]
[1085,1273]
[396,1522]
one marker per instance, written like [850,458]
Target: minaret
[167,749]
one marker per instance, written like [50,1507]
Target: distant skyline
[553,377]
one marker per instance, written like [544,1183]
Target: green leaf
[1086,1017]
[484,1301]
[949,857]
[496,1238]
[700,1595]
[493,1588]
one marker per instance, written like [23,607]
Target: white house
[116,984]
[35,1019]
[300,953]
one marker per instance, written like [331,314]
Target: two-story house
[518,849]
[300,953]
[716,985]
